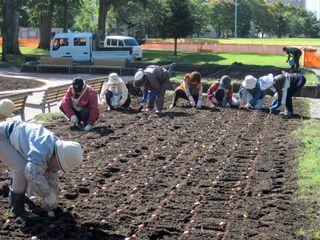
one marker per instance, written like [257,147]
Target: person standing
[157,78]
[295,54]
[80,105]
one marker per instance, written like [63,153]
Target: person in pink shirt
[80,105]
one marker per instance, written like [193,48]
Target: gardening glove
[228,105]
[87,128]
[214,101]
[199,103]
[74,119]
[191,100]
[50,202]
[248,105]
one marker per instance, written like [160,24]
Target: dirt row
[198,174]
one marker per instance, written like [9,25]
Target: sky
[312,4]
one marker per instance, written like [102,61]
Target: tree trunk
[45,26]
[65,16]
[103,8]
[175,46]
[10,29]
[4,46]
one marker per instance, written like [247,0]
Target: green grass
[309,173]
[255,41]
[25,51]
[48,117]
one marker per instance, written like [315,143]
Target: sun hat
[114,78]
[69,154]
[6,107]
[249,82]
[139,78]
[78,84]
[225,81]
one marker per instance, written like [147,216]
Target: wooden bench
[117,64]
[53,95]
[50,62]
[19,100]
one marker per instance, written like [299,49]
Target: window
[131,42]
[79,42]
[114,42]
[121,43]
[60,42]
[108,42]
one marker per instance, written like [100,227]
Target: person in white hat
[6,109]
[115,93]
[157,78]
[34,156]
[250,94]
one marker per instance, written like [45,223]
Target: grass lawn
[314,42]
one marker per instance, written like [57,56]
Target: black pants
[296,59]
[178,93]
[82,115]
[109,95]
[292,90]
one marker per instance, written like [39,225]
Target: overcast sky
[312,4]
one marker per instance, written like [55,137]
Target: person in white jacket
[34,156]
[115,93]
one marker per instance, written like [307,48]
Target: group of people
[35,155]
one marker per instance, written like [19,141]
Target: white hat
[139,75]
[6,107]
[114,78]
[249,82]
[69,154]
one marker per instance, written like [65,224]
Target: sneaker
[286,114]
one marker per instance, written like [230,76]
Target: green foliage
[86,19]
[49,117]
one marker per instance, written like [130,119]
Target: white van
[80,47]
[123,41]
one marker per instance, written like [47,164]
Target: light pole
[235,18]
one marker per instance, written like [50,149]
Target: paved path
[54,79]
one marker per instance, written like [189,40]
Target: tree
[67,16]
[10,28]
[201,15]
[222,16]
[179,23]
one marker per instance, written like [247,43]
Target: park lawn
[184,57]
[314,42]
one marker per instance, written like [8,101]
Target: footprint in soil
[103,131]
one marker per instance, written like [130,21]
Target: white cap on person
[6,107]
[69,154]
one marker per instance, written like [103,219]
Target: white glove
[74,119]
[228,105]
[50,202]
[248,105]
[87,128]
[191,100]
[199,103]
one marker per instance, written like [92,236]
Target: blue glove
[87,128]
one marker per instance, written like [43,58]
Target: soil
[199,174]
[8,84]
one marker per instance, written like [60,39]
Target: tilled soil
[7,84]
[199,174]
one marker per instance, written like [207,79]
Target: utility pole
[235,18]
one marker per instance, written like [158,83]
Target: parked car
[124,41]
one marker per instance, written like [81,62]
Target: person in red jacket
[221,93]
[80,105]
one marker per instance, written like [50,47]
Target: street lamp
[235,18]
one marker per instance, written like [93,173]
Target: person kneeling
[80,105]
[115,93]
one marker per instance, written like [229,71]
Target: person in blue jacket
[295,54]
[250,94]
[34,156]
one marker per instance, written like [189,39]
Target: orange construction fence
[311,58]
[26,42]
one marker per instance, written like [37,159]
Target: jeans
[178,93]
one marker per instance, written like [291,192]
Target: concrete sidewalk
[50,79]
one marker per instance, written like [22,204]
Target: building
[297,3]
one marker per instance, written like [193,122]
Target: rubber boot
[18,209]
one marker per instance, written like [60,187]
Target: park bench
[50,62]
[118,64]
[53,95]
[19,100]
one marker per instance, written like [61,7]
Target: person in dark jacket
[157,78]
[295,54]
[286,86]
